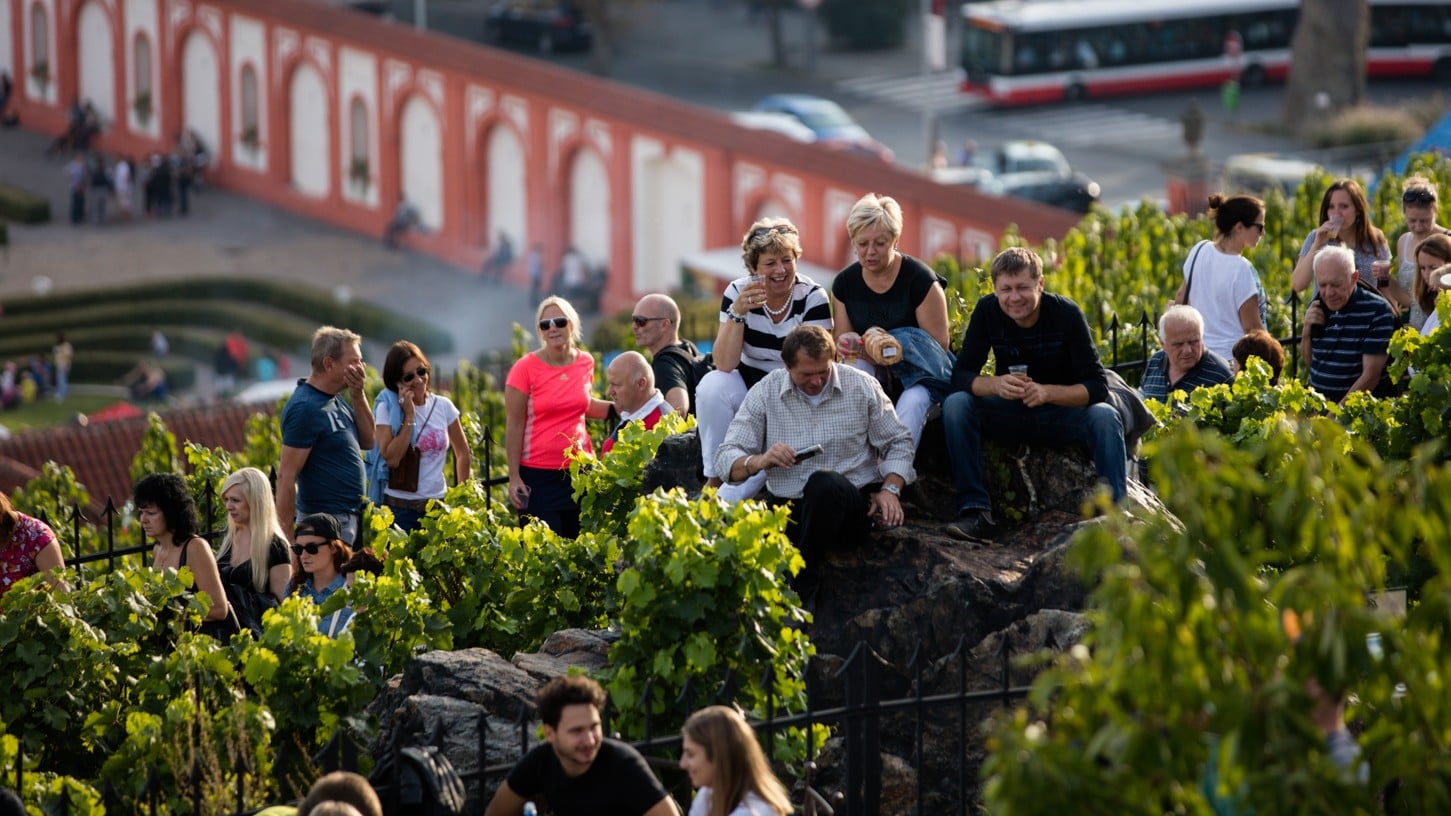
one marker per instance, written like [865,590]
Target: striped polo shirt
[1363,326]
[761,351]
[1210,370]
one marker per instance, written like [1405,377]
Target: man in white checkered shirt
[866,452]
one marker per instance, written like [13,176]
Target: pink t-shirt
[18,560]
[554,417]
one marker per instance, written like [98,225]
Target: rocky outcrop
[932,614]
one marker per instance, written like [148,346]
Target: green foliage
[480,400]
[51,793]
[58,497]
[264,440]
[158,453]
[1245,410]
[704,596]
[209,469]
[1211,627]
[22,206]
[393,618]
[608,489]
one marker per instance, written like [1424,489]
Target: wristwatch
[893,489]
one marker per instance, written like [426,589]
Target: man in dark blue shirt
[1183,364]
[323,437]
[1347,329]
[1049,388]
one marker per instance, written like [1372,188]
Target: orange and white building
[335,115]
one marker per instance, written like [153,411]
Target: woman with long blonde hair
[726,764]
[253,562]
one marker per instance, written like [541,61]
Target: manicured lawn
[45,413]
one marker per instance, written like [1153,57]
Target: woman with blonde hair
[724,761]
[546,400]
[253,561]
[1420,205]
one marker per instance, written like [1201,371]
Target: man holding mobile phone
[830,443]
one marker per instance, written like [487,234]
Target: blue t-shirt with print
[332,478]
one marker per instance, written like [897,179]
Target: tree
[1327,57]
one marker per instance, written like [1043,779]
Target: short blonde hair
[576,335]
[873,211]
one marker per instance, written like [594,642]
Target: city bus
[1032,51]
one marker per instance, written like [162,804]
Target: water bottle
[530,810]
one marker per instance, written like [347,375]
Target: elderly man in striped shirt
[830,443]
[1183,364]
[1348,330]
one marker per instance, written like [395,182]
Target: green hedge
[23,206]
[315,307]
[186,341]
[260,324]
[106,367]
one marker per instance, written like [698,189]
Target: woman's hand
[518,494]
[752,296]
[1327,232]
[849,344]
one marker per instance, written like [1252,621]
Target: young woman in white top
[727,767]
[1220,282]
[429,422]
[1432,256]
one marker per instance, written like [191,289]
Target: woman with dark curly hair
[167,514]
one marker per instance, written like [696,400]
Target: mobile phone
[807,453]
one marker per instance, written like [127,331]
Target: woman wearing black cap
[318,554]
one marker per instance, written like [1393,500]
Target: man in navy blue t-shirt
[323,436]
[1347,329]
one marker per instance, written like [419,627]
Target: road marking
[1082,125]
[941,93]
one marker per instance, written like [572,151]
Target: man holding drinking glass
[1053,391]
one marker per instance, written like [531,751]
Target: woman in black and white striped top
[756,314]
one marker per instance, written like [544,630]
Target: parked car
[544,25]
[784,124]
[1039,171]
[1258,173]
[833,126]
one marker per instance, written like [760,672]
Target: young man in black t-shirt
[577,771]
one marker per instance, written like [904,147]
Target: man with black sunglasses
[323,436]
[678,364]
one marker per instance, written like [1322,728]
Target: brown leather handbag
[404,477]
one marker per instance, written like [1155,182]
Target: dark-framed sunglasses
[641,321]
[421,371]
[1259,225]
[554,322]
[785,229]
[310,549]
[1418,195]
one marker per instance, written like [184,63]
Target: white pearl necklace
[776,312]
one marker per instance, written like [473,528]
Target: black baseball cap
[323,525]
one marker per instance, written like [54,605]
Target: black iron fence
[848,703]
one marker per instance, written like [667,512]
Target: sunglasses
[421,371]
[784,229]
[1259,226]
[641,321]
[310,549]
[556,322]
[1418,196]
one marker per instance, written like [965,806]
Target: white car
[782,123]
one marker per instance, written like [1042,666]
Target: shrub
[1369,124]
[23,206]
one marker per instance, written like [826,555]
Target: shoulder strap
[1193,259]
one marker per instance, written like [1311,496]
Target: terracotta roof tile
[100,454]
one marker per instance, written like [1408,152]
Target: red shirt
[17,561]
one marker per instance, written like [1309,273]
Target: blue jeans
[966,418]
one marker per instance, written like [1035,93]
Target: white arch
[421,156]
[310,164]
[589,207]
[506,197]
[95,60]
[771,208]
[673,222]
[201,89]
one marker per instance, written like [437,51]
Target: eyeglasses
[1259,226]
[310,549]
[556,322]
[641,321]
[421,371]
[785,229]
[1418,195]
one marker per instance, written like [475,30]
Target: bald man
[631,384]
[656,324]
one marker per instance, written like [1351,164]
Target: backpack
[424,784]
[697,366]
